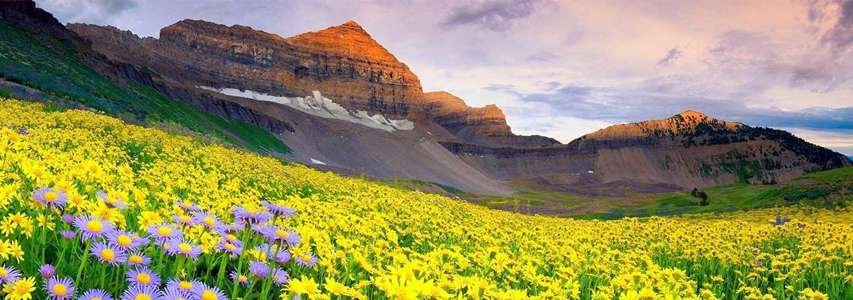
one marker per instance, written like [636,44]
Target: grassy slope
[823,189]
[56,71]
[374,239]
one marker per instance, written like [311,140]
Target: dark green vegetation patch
[51,66]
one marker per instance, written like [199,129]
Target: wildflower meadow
[95,209]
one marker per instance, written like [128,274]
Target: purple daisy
[260,228]
[96,295]
[229,247]
[126,240]
[259,269]
[274,234]
[183,220]
[239,278]
[47,270]
[135,292]
[59,288]
[67,234]
[205,219]
[174,294]
[232,238]
[237,226]
[9,274]
[67,218]
[279,255]
[164,232]
[111,202]
[93,228]
[107,253]
[52,198]
[252,216]
[184,286]
[306,260]
[137,259]
[183,247]
[203,291]
[279,210]
[280,277]
[142,276]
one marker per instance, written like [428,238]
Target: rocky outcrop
[485,125]
[342,62]
[684,124]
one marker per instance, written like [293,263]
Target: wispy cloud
[670,57]
[496,15]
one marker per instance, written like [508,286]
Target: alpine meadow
[193,160]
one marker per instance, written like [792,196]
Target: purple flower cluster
[278,210]
[116,246]
[252,216]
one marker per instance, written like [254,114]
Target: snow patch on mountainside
[320,106]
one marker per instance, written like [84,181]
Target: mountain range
[341,101]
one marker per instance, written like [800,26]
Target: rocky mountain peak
[352,24]
[346,40]
[692,114]
[686,123]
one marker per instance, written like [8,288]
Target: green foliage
[52,67]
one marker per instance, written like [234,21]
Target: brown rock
[477,125]
[685,123]
[343,62]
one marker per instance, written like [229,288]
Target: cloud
[670,57]
[496,15]
[542,56]
[86,11]
[839,14]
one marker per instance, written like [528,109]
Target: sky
[567,68]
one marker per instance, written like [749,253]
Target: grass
[821,189]
[49,65]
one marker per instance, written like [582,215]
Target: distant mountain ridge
[452,144]
[686,123]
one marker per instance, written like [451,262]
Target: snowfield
[320,106]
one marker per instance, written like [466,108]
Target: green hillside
[821,189]
[48,65]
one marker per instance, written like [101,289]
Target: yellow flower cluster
[374,241]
